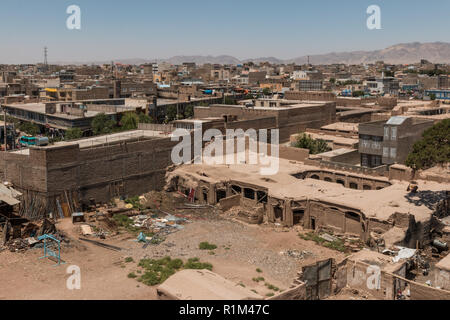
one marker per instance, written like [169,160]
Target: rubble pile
[297,254]
[166,225]
[29,234]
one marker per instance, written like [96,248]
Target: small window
[340,182]
[236,189]
[353,185]
[393,153]
[261,196]
[394,133]
[385,152]
[315,176]
[386,133]
[249,193]
[367,187]
[352,215]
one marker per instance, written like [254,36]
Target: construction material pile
[26,236]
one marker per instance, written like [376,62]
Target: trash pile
[297,254]
[26,236]
[169,224]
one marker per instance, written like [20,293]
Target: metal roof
[397,120]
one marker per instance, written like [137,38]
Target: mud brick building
[89,170]
[290,119]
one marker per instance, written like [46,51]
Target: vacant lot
[240,250]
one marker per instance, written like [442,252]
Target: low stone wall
[295,154]
[229,202]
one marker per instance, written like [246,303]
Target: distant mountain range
[405,53]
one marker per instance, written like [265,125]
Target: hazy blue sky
[113,29]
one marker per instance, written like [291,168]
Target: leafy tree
[305,141]
[432,96]
[358,93]
[171,113]
[29,128]
[433,148]
[332,80]
[189,111]
[102,124]
[231,101]
[143,118]
[129,121]
[73,134]
[267,92]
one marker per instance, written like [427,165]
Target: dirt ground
[241,249]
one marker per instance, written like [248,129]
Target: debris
[86,230]
[47,227]
[404,253]
[31,241]
[77,217]
[100,244]
[297,254]
[328,237]
[440,245]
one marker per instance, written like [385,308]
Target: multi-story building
[74,94]
[308,85]
[389,142]
[383,85]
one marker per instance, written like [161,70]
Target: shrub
[207,246]
[194,263]
[73,134]
[305,141]
[158,271]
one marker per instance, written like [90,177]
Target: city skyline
[154,30]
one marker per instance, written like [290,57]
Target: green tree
[305,141]
[129,121]
[230,100]
[267,92]
[143,118]
[358,93]
[29,128]
[432,149]
[189,111]
[102,124]
[73,134]
[171,113]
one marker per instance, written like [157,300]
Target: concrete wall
[442,279]
[291,153]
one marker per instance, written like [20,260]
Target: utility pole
[4,128]
[45,59]
[4,132]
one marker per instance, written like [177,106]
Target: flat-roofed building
[389,142]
